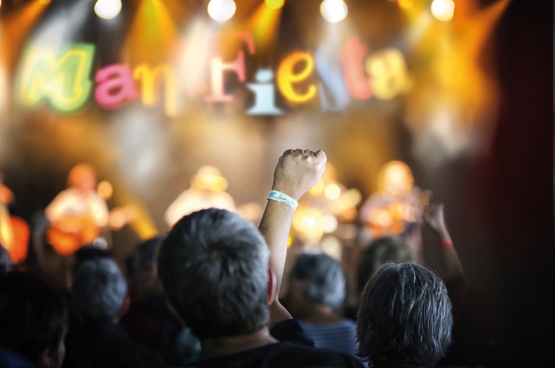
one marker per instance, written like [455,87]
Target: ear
[272,287]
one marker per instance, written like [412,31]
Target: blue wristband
[283,198]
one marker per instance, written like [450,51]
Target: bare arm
[454,275]
[296,172]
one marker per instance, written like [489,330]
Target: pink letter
[218,69]
[353,54]
[115,86]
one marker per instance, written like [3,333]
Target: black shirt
[281,355]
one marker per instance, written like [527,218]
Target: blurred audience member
[32,322]
[405,317]
[207,190]
[379,252]
[149,322]
[5,261]
[317,288]
[100,291]
[214,266]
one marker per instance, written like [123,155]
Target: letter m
[62,79]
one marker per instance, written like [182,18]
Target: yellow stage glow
[332,191]
[275,4]
[107,9]
[334,10]
[221,10]
[443,10]
[45,1]
[405,4]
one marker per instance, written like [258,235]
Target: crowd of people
[206,294]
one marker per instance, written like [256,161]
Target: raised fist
[298,170]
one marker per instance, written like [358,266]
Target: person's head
[82,177]
[33,317]
[144,268]
[379,252]
[99,289]
[6,264]
[405,316]
[316,279]
[88,253]
[395,178]
[214,269]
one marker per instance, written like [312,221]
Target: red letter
[353,54]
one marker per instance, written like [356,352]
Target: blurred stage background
[465,100]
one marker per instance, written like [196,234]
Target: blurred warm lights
[221,10]
[45,1]
[405,4]
[443,10]
[309,224]
[329,223]
[275,4]
[332,191]
[334,10]
[105,189]
[107,9]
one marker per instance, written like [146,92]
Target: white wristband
[283,198]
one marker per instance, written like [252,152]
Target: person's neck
[228,345]
[320,314]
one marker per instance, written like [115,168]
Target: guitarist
[78,213]
[396,208]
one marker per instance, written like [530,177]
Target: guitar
[392,218]
[71,232]
[14,231]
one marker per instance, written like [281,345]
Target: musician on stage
[396,208]
[207,190]
[78,213]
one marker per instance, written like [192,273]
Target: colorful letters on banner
[64,79]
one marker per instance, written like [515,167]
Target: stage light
[221,10]
[275,4]
[45,1]
[443,9]
[107,9]
[334,10]
[332,191]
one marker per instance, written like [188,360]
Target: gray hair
[214,269]
[99,289]
[326,280]
[405,315]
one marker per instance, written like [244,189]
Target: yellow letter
[63,80]
[286,78]
[148,91]
[388,74]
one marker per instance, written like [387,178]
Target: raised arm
[296,172]
[454,275]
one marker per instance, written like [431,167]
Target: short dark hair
[326,279]
[405,315]
[33,315]
[378,252]
[99,289]
[214,269]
